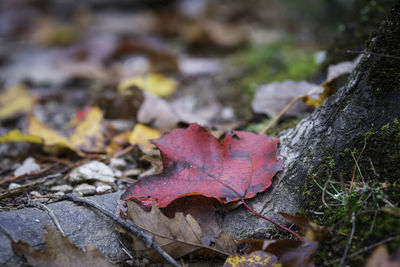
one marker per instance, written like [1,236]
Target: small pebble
[85,189]
[94,170]
[28,166]
[13,186]
[117,163]
[100,189]
[61,188]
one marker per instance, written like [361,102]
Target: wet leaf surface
[196,163]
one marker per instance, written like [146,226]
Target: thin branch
[323,194]
[10,192]
[146,238]
[31,175]
[384,241]
[353,228]
[50,212]
[358,167]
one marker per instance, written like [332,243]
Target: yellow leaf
[17,136]
[141,135]
[154,83]
[328,91]
[14,101]
[256,258]
[50,137]
[89,134]
[117,142]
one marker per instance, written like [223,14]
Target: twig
[353,228]
[9,192]
[384,241]
[373,168]
[323,194]
[146,238]
[124,248]
[31,175]
[50,212]
[372,53]
[358,167]
[286,108]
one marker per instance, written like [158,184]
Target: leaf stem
[258,214]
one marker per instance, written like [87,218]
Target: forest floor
[92,85]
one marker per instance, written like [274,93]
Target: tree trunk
[365,111]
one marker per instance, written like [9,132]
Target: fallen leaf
[254,259]
[89,134]
[141,136]
[158,112]
[336,77]
[291,253]
[270,99]
[60,252]
[196,163]
[380,258]
[178,236]
[118,106]
[308,229]
[15,101]
[202,209]
[49,136]
[154,83]
[17,136]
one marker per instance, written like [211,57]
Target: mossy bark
[363,115]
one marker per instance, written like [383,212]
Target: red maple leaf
[196,163]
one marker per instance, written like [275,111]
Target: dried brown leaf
[60,252]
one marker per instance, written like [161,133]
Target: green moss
[367,198]
[278,61]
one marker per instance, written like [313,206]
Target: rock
[61,188]
[117,163]
[94,170]
[27,167]
[102,188]
[13,186]
[85,189]
[82,225]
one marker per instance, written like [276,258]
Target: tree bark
[365,110]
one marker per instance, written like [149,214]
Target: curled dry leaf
[60,252]
[196,163]
[178,236]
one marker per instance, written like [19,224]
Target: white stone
[61,188]
[85,189]
[100,189]
[117,163]
[94,170]
[27,167]
[13,186]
